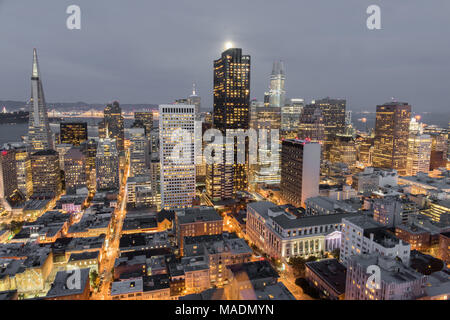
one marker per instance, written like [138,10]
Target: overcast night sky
[140,51]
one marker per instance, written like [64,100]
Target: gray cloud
[151,51]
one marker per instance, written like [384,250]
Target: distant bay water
[15,132]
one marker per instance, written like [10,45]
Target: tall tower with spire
[39,134]
[277,93]
[195,100]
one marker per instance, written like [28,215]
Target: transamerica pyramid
[39,134]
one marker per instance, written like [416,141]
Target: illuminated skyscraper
[39,133]
[176,132]
[263,117]
[144,120]
[107,165]
[89,149]
[333,112]
[290,117]
[74,133]
[46,173]
[8,176]
[300,171]
[343,150]
[231,111]
[439,146]
[311,124]
[75,170]
[23,166]
[391,136]
[419,151]
[277,93]
[139,152]
[364,145]
[112,125]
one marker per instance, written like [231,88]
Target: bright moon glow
[228,45]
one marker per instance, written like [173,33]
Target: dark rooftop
[254,270]
[59,287]
[331,271]
[198,214]
[156,282]
[84,256]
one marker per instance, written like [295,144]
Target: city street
[113,241]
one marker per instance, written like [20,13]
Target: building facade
[177,125]
[419,153]
[139,152]
[231,112]
[333,112]
[363,235]
[46,173]
[281,235]
[112,125]
[391,136]
[107,165]
[75,170]
[74,133]
[300,171]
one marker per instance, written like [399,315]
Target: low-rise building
[67,246]
[363,235]
[396,280]
[60,290]
[165,220]
[444,247]
[140,222]
[437,286]
[90,225]
[47,228]
[25,268]
[255,281]
[196,221]
[323,205]
[438,211]
[371,179]
[155,287]
[83,260]
[416,236]
[144,241]
[435,187]
[196,271]
[282,235]
[328,276]
[72,203]
[219,251]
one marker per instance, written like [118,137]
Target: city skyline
[153,71]
[270,196]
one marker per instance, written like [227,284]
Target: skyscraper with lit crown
[231,111]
